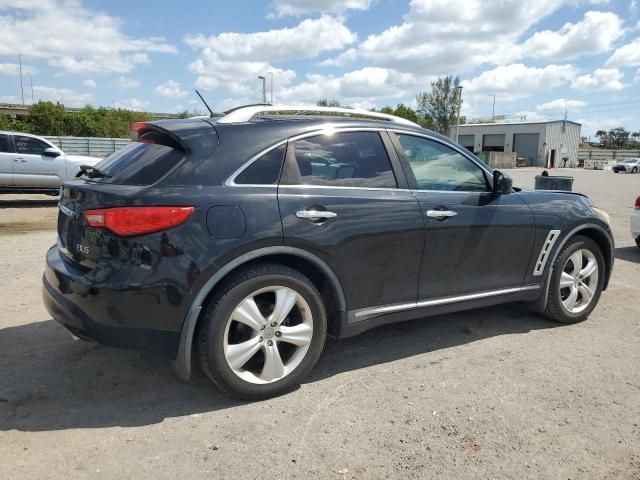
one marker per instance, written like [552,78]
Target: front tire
[263,332]
[577,279]
[634,170]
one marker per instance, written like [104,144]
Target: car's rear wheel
[577,279]
[263,332]
[634,170]
[638,242]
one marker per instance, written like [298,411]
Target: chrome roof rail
[245,114]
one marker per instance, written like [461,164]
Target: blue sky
[533,55]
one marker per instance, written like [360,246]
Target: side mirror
[51,152]
[502,183]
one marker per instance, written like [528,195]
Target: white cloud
[341,60]
[452,36]
[132,104]
[171,89]
[72,38]
[559,105]
[516,81]
[124,82]
[626,56]
[600,79]
[301,7]
[89,83]
[233,61]
[66,96]
[593,35]
[14,69]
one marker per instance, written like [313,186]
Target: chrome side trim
[66,210]
[547,246]
[439,301]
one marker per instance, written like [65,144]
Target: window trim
[257,158]
[488,173]
[396,166]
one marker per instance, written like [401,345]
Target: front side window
[438,167]
[348,159]
[29,145]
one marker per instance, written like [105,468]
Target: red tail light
[128,221]
[638,203]
[134,131]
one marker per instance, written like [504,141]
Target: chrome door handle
[441,214]
[315,214]
[21,160]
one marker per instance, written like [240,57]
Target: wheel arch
[596,233]
[320,274]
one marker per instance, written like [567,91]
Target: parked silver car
[29,163]
[629,165]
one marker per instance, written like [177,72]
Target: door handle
[315,214]
[21,160]
[441,214]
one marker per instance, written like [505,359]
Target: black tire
[638,242]
[555,309]
[634,170]
[211,333]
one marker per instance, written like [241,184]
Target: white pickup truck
[31,164]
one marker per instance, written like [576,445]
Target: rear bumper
[78,305]
[635,224]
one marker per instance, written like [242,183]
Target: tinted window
[139,164]
[265,170]
[29,145]
[4,144]
[438,167]
[350,159]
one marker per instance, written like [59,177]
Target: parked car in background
[242,241]
[635,222]
[29,163]
[630,165]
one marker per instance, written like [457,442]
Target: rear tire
[577,279]
[638,242]
[634,170]
[263,332]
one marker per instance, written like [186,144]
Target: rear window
[139,164]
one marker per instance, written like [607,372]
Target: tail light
[128,221]
[134,131]
[638,203]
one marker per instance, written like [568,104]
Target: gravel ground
[491,393]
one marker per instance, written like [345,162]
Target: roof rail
[246,113]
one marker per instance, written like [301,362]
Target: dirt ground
[492,393]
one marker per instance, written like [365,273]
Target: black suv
[242,240]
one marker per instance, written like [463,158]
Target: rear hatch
[127,178]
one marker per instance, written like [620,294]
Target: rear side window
[139,164]
[348,159]
[263,171]
[29,145]
[4,144]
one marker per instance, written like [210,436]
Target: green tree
[603,136]
[47,118]
[332,102]
[618,137]
[439,107]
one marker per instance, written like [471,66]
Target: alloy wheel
[579,281]
[268,334]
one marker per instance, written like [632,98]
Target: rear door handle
[315,214]
[441,214]
[20,159]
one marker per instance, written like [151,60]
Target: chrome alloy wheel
[579,281]
[268,334]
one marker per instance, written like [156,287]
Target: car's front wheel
[263,332]
[634,170]
[577,279]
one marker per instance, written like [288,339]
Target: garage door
[526,146]
[466,141]
[493,142]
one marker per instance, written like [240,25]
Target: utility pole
[459,92]
[271,83]
[21,86]
[264,88]
[493,109]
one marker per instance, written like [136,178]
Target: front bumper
[635,224]
[73,301]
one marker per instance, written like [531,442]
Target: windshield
[631,160]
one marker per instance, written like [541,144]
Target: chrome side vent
[546,250]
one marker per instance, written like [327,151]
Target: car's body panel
[379,251]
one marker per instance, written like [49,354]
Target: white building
[543,143]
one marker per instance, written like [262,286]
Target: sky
[535,56]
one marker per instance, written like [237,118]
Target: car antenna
[205,103]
